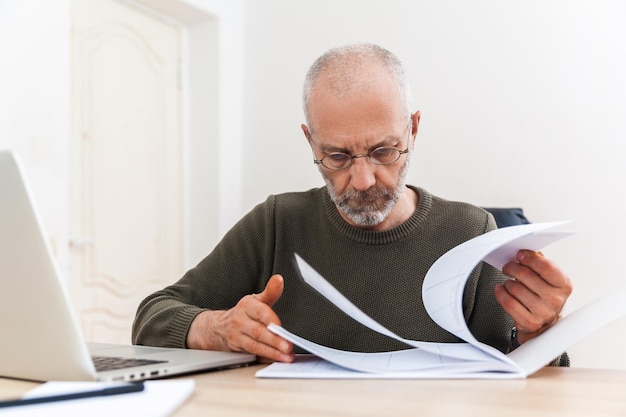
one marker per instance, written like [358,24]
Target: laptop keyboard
[109,363]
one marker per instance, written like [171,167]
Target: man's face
[355,124]
[367,207]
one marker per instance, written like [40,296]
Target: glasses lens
[384,156]
[336,160]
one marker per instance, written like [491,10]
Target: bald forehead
[346,96]
[363,71]
[350,73]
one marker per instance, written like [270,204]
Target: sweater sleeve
[239,265]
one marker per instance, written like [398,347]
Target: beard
[370,207]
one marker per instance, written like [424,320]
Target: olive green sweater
[380,272]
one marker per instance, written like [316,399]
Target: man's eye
[338,157]
[384,154]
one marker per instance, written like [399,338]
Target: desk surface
[549,392]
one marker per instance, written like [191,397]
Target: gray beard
[371,207]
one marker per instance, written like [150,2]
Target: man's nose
[362,173]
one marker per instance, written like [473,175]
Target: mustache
[367,200]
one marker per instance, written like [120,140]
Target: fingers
[268,349]
[536,295]
[246,324]
[273,290]
[243,328]
[543,267]
[541,276]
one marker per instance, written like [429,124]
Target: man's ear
[307,132]
[415,122]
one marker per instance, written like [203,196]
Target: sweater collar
[372,237]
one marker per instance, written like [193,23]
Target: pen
[122,389]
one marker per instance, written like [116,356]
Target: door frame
[212,115]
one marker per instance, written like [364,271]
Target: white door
[126,163]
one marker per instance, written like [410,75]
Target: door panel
[126,176]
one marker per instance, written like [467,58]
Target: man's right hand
[243,328]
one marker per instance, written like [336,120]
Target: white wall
[34,102]
[226,154]
[522,105]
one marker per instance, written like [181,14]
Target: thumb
[273,290]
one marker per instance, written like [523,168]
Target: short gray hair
[338,61]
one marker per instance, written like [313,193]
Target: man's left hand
[535,296]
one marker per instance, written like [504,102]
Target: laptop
[40,336]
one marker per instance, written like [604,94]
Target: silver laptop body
[40,338]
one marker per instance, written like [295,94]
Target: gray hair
[339,64]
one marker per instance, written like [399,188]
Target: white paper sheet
[313,367]
[314,279]
[158,399]
[443,295]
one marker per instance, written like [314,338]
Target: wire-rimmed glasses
[384,155]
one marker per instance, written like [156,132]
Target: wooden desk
[550,392]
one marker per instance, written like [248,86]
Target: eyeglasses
[384,155]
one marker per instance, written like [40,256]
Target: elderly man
[367,232]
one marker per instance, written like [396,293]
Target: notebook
[40,338]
